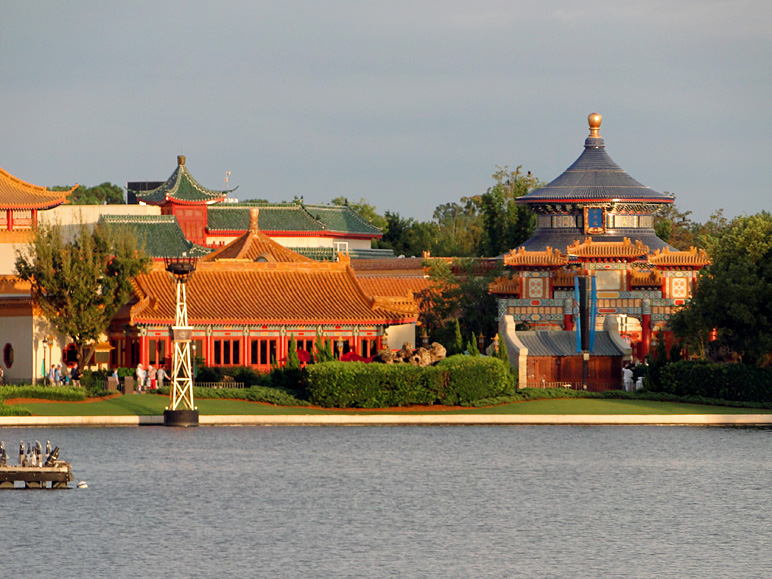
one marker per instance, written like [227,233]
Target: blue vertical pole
[593,312]
[577,323]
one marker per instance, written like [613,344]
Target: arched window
[8,355]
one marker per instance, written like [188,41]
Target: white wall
[399,334]
[25,334]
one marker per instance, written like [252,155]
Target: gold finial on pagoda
[180,159]
[594,119]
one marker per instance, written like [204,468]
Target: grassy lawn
[152,404]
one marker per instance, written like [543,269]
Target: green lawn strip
[606,407]
[153,405]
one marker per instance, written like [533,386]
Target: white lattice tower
[182,369]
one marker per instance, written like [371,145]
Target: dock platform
[36,477]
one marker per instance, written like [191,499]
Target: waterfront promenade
[402,420]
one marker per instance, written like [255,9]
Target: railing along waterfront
[218,385]
[592,385]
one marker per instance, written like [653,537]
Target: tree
[104,194]
[507,224]
[405,236]
[458,293]
[734,293]
[363,209]
[674,227]
[80,285]
[459,229]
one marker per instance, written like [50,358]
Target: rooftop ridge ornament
[594,120]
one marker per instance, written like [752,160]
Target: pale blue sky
[407,104]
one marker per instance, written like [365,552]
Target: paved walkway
[402,420]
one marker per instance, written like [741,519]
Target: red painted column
[645,334]
[9,220]
[144,350]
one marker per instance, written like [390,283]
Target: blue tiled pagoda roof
[594,177]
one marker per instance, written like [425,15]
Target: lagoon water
[526,501]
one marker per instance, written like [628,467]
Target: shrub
[736,382]
[360,385]
[470,378]
[6,410]
[267,394]
[62,393]
[455,380]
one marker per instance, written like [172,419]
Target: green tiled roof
[289,217]
[273,217]
[341,218]
[180,186]
[160,234]
[330,254]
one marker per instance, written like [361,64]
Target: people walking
[75,375]
[141,374]
[151,376]
[160,376]
[52,375]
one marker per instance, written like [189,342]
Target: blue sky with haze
[407,104]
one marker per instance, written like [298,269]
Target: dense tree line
[733,296]
[487,224]
[104,194]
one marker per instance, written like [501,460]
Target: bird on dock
[21,454]
[3,454]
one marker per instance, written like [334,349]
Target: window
[368,347]
[8,355]
[157,352]
[608,280]
[263,351]
[227,352]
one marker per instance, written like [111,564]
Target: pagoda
[182,196]
[596,222]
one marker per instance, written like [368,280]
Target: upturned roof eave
[556,199]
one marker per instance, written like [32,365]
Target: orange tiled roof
[264,293]
[692,258]
[254,245]
[608,249]
[18,194]
[645,278]
[505,286]
[390,266]
[397,286]
[522,257]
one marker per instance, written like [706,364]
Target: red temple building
[593,222]
[248,298]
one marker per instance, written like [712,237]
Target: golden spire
[594,119]
[254,214]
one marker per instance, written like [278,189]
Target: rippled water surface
[527,501]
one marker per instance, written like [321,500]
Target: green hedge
[6,410]
[62,393]
[455,380]
[360,385]
[271,395]
[470,378]
[736,382]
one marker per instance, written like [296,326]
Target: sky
[406,104]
